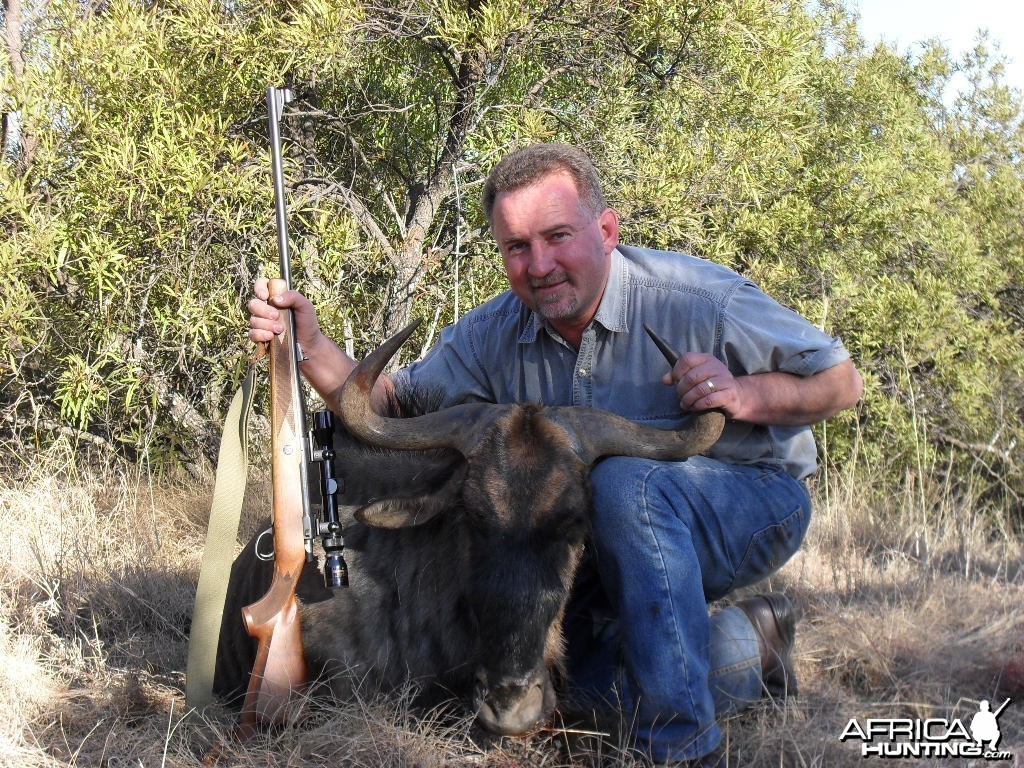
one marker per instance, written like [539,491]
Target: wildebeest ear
[399,513]
[413,510]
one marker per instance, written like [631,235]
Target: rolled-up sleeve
[760,335]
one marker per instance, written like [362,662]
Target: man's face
[556,252]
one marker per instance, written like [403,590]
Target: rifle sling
[218,553]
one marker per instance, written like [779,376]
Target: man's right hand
[265,319]
[325,365]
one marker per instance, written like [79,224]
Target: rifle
[280,668]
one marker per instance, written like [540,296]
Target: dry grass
[913,605]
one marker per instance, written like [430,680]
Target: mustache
[547,280]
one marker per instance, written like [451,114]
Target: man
[668,537]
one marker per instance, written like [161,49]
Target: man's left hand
[703,382]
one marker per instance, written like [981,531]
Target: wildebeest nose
[516,707]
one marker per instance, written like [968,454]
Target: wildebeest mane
[410,398]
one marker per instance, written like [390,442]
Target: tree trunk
[19,140]
[409,259]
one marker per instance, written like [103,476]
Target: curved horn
[458,427]
[596,433]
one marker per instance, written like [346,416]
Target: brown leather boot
[774,620]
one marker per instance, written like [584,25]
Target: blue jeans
[669,538]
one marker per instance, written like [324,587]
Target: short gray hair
[528,165]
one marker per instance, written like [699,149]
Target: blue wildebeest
[467,535]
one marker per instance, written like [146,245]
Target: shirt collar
[611,312]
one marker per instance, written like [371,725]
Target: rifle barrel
[1000,710]
[276,99]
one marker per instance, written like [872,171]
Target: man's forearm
[327,367]
[784,399]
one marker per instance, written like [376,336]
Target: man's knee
[621,487]
[609,476]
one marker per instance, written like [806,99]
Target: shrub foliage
[846,180]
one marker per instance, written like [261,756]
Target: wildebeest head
[525,500]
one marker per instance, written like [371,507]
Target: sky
[954,22]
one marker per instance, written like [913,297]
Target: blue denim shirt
[502,352]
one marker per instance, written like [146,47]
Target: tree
[756,133]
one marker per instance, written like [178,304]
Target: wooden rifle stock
[280,667]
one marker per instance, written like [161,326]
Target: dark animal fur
[464,600]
